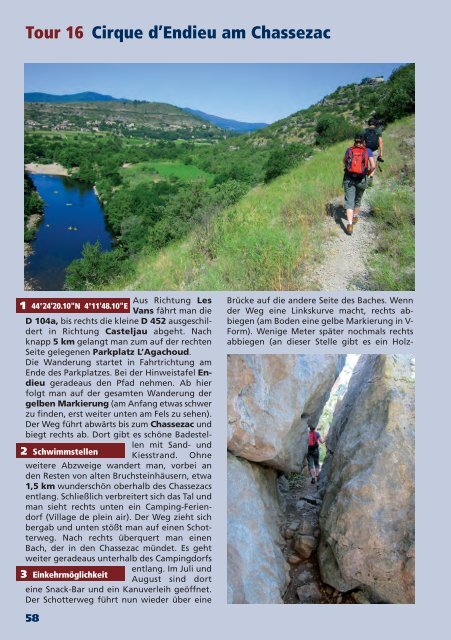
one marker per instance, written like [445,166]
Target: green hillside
[392,266]
[339,114]
[131,118]
[354,102]
[270,237]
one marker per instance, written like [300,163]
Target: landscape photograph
[219,177]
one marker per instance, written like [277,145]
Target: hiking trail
[300,531]
[345,263]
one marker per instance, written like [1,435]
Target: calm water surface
[72,216]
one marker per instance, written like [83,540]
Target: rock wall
[270,399]
[256,570]
[367,517]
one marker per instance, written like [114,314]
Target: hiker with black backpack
[358,164]
[314,440]
[373,141]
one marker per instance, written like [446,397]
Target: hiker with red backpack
[314,440]
[358,164]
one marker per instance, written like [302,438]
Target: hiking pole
[379,160]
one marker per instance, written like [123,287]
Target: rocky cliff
[255,566]
[367,516]
[270,399]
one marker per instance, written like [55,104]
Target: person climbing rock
[358,163]
[314,440]
[373,141]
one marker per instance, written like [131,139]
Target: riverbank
[32,225]
[53,169]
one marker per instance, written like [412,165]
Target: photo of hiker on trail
[314,440]
[309,523]
[240,189]
[359,168]
[358,165]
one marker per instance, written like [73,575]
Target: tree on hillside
[94,269]
[330,129]
[284,158]
[33,205]
[398,98]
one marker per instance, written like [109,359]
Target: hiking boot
[313,481]
[349,229]
[355,219]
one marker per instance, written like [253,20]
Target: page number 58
[31,617]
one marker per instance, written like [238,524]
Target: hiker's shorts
[354,189]
[313,459]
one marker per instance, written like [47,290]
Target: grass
[392,266]
[155,170]
[264,242]
[272,236]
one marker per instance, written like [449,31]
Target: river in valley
[73,216]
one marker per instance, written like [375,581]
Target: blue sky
[247,92]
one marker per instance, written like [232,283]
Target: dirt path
[301,534]
[345,263]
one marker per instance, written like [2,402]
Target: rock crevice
[270,398]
